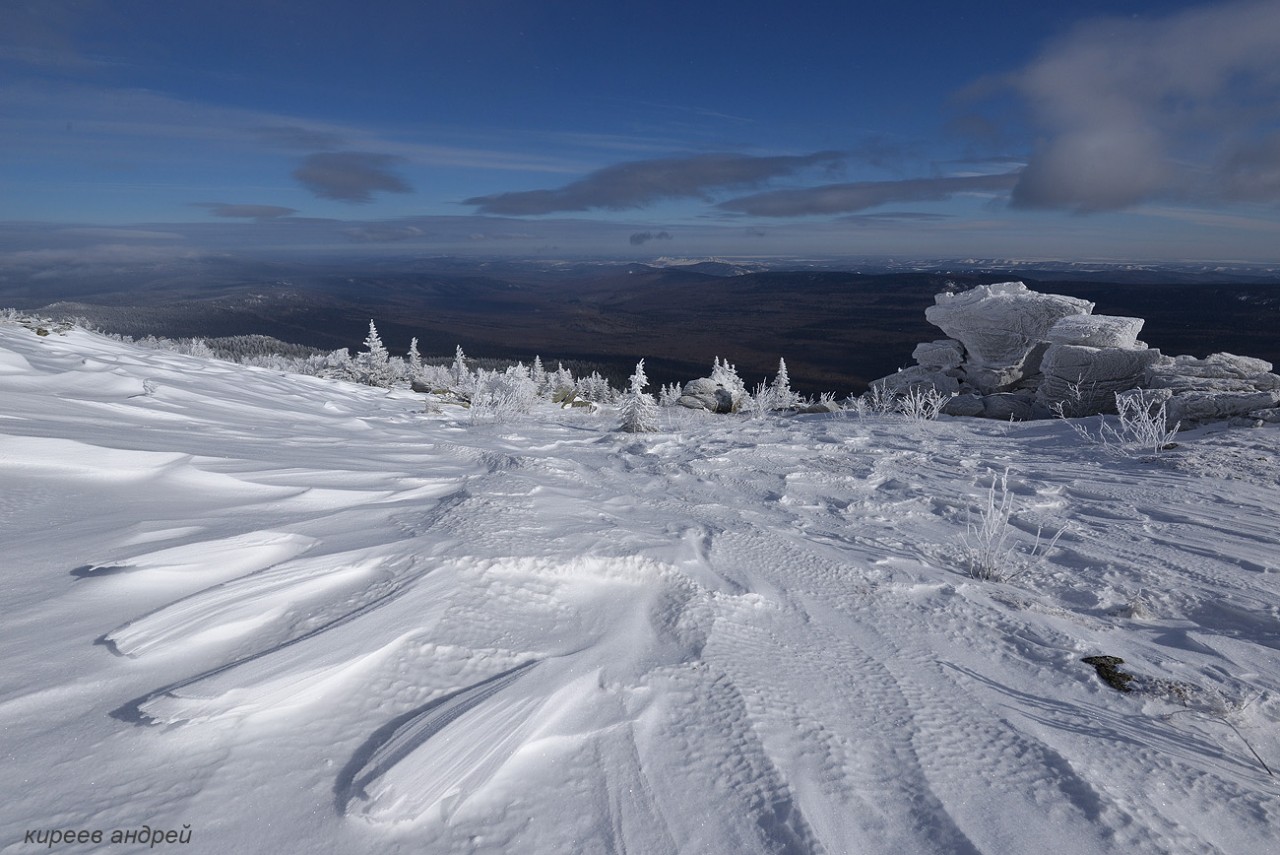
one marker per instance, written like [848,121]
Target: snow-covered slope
[303,616]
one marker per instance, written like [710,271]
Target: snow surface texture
[329,621]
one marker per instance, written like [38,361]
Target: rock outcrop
[706,394]
[1088,360]
[1015,353]
[1001,327]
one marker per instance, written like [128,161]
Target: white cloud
[1181,107]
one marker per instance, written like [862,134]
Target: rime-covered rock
[1195,407]
[941,354]
[997,340]
[920,376]
[1015,353]
[999,326]
[1083,380]
[706,394]
[1004,406]
[1096,331]
[965,404]
[1218,372]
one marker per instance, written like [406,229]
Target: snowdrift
[295,615]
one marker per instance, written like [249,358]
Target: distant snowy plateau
[291,615]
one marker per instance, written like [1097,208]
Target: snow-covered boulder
[1096,331]
[998,340]
[1195,407]
[1083,380]
[941,354]
[1218,372]
[999,325]
[964,404]
[1004,406]
[1220,386]
[920,376]
[1016,353]
[706,394]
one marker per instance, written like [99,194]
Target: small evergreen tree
[637,409]
[726,375]
[538,375]
[595,389]
[783,397]
[415,359]
[560,381]
[459,373]
[376,362]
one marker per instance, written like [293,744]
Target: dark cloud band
[862,195]
[643,182]
[247,212]
[350,176]
[641,238]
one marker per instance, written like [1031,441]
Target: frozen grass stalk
[922,403]
[988,549]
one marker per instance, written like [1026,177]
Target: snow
[298,615]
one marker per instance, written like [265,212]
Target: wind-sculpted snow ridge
[344,624]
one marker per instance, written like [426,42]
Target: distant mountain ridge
[837,329]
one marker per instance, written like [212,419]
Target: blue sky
[1119,130]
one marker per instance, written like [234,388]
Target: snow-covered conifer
[595,389]
[783,397]
[637,409]
[375,361]
[459,373]
[415,359]
[726,375]
[499,397]
[669,394]
[538,375]
[560,381]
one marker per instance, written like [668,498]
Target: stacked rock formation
[1016,353]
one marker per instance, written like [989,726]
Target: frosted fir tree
[561,382]
[669,395]
[637,409]
[783,398]
[538,375]
[595,388]
[376,362]
[726,375]
[459,373]
[415,359]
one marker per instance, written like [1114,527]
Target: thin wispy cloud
[246,212]
[384,233]
[44,34]
[643,182]
[862,195]
[103,233]
[350,176]
[1177,108]
[300,138]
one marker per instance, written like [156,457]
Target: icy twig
[986,548]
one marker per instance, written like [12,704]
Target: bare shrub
[922,403]
[989,549]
